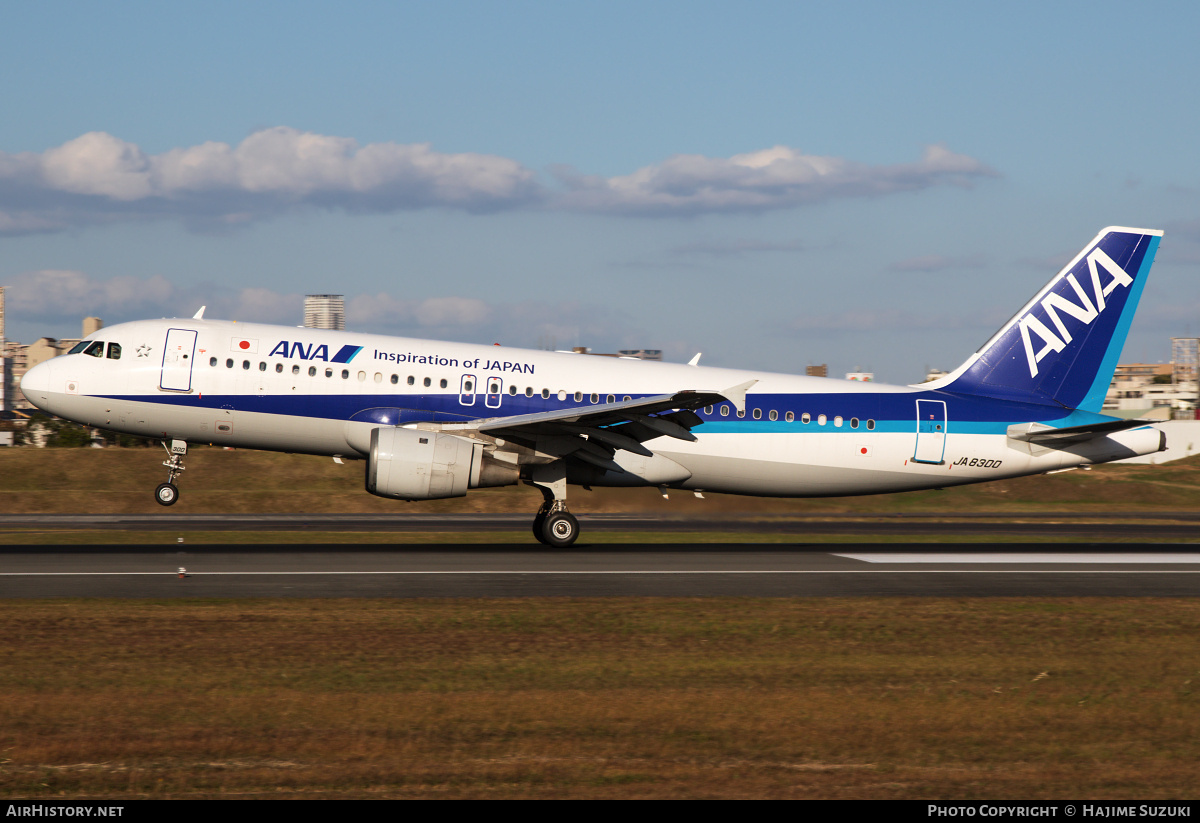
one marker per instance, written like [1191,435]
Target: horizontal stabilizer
[1044,435]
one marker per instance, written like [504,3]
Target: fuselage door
[931,431]
[178,354]
[494,387]
[466,392]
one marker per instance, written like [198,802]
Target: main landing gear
[553,524]
[167,493]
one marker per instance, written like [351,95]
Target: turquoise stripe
[1093,401]
[1077,418]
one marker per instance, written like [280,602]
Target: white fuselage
[321,392]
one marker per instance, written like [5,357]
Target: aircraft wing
[1044,435]
[594,433]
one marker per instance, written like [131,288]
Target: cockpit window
[95,349]
[78,347]
[114,351]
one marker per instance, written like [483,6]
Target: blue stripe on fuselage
[345,354]
[892,411]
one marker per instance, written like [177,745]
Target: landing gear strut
[553,524]
[167,493]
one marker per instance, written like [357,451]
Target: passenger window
[595,398]
[468,387]
[114,351]
[545,394]
[820,420]
[395,379]
[806,418]
[837,421]
[741,413]
[312,371]
[329,372]
[512,390]
[708,409]
[529,391]
[627,398]
[578,396]
[245,365]
[295,369]
[758,414]
[442,383]
[724,411]
[378,377]
[229,363]
[871,425]
[212,361]
[428,382]
[789,417]
[345,374]
[95,350]
[279,368]
[854,422]
[611,399]
[774,415]
[262,366]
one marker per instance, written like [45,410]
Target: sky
[874,186]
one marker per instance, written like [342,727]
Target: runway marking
[609,573]
[1016,557]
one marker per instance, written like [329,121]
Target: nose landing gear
[167,493]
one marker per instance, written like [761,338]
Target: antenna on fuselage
[200,314]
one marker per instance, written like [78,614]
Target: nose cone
[37,384]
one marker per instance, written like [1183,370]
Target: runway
[1096,526]
[628,570]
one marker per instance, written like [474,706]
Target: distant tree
[59,433]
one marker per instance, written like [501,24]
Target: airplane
[435,420]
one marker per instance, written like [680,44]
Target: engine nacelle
[410,464]
[419,465]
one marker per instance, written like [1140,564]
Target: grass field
[734,698]
[220,481]
[614,698]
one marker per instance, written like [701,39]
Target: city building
[325,311]
[1153,389]
[636,354]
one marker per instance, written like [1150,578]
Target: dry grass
[219,481]
[836,698]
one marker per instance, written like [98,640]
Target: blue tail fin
[1062,347]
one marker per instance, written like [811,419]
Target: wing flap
[604,429]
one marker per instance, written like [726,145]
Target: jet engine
[410,464]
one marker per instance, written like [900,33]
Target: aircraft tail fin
[1062,347]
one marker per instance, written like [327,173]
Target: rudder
[1062,347]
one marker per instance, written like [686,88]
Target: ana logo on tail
[1085,311]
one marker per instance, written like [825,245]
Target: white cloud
[52,294]
[384,311]
[937,262]
[99,178]
[736,248]
[57,296]
[780,177]
[52,298]
[871,320]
